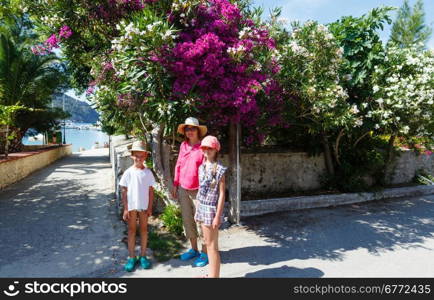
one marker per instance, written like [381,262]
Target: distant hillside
[80,111]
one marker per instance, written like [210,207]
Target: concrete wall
[264,173]
[406,166]
[38,147]
[120,159]
[281,172]
[17,168]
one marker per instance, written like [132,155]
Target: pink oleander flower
[90,90]
[65,32]
[52,41]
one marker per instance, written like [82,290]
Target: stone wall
[20,165]
[407,164]
[282,172]
[265,174]
[120,160]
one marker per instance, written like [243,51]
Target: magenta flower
[65,32]
[107,67]
[90,90]
[52,41]
[112,10]
[227,90]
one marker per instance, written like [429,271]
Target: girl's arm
[151,200]
[125,203]
[220,204]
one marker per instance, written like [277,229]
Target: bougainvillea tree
[224,62]
[149,64]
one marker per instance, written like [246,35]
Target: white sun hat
[192,122]
[139,146]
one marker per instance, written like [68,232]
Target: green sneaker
[131,263]
[144,262]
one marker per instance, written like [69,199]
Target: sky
[326,11]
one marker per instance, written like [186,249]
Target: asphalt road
[61,222]
[389,238]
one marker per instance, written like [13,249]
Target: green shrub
[423,177]
[164,245]
[368,160]
[172,219]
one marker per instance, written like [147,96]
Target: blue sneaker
[144,262]
[189,254]
[131,263]
[201,261]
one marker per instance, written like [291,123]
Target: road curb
[265,206]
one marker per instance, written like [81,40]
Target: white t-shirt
[137,181]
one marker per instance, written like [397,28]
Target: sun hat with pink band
[210,142]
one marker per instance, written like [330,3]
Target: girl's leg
[211,240]
[193,195]
[132,229]
[143,221]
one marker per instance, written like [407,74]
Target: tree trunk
[7,141]
[390,149]
[389,156]
[16,144]
[336,148]
[327,155]
[161,163]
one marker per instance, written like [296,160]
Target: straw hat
[139,146]
[192,122]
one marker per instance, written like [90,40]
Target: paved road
[392,238]
[59,221]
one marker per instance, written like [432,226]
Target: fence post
[235,172]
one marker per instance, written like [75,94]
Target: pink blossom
[52,41]
[65,32]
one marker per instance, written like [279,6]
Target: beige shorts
[188,202]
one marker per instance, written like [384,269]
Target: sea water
[79,138]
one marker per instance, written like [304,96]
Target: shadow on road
[328,233]
[286,272]
[60,221]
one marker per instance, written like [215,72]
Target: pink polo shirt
[187,166]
